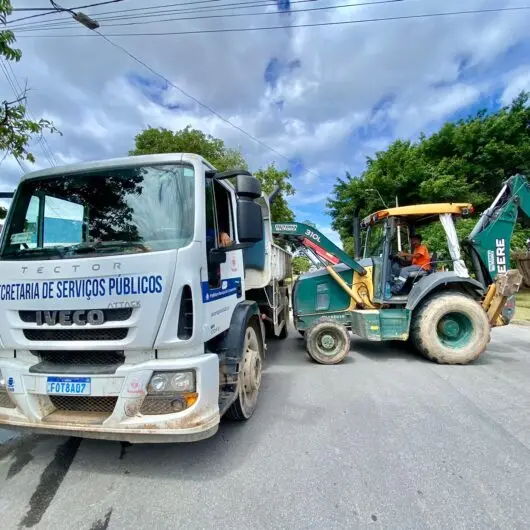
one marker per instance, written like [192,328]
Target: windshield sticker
[21,238]
[87,288]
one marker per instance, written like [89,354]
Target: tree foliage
[301,264]
[189,140]
[16,129]
[465,161]
[270,177]
[159,140]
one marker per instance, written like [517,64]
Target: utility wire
[198,102]
[54,11]
[199,9]
[309,25]
[259,13]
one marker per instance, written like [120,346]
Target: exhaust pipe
[275,192]
[357,234]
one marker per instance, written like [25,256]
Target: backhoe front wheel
[249,378]
[451,328]
[327,342]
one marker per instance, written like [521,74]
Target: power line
[54,11]
[60,22]
[259,13]
[200,103]
[18,91]
[308,25]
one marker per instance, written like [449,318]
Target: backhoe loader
[446,314]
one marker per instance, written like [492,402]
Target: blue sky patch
[154,89]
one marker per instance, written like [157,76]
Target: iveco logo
[95,317]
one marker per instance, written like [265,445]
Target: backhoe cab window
[138,209]
[375,238]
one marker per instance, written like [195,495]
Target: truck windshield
[114,211]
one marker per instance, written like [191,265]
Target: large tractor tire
[249,378]
[327,342]
[450,328]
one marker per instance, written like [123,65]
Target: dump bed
[264,261]
[281,263]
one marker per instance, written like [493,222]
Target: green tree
[270,177]
[16,130]
[462,162]
[310,223]
[301,264]
[188,140]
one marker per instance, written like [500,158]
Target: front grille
[76,334]
[111,315]
[5,401]
[84,357]
[84,403]
[157,405]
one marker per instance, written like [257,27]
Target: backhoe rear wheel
[451,328]
[327,342]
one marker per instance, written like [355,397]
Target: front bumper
[34,410]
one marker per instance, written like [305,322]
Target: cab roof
[115,163]
[419,211]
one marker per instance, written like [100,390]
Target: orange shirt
[424,260]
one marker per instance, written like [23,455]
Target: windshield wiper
[108,245]
[29,253]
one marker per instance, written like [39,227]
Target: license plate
[70,386]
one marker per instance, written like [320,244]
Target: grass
[522,305]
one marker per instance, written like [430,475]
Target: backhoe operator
[419,258]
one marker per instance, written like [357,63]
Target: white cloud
[516,83]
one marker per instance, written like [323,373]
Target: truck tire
[450,328]
[327,342]
[249,377]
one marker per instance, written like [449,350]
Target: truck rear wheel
[327,342]
[451,329]
[249,377]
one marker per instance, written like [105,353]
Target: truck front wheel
[451,328]
[249,377]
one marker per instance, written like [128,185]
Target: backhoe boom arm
[312,239]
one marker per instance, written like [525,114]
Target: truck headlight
[171,382]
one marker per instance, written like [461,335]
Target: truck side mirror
[249,221]
[248,186]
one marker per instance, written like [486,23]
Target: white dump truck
[122,314]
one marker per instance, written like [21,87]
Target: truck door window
[223,206]
[214,270]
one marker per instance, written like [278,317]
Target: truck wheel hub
[327,341]
[455,329]
[450,328]
[252,371]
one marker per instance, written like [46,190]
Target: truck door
[224,288]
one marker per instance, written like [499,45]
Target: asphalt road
[385,440]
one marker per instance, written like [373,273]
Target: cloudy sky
[324,97]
